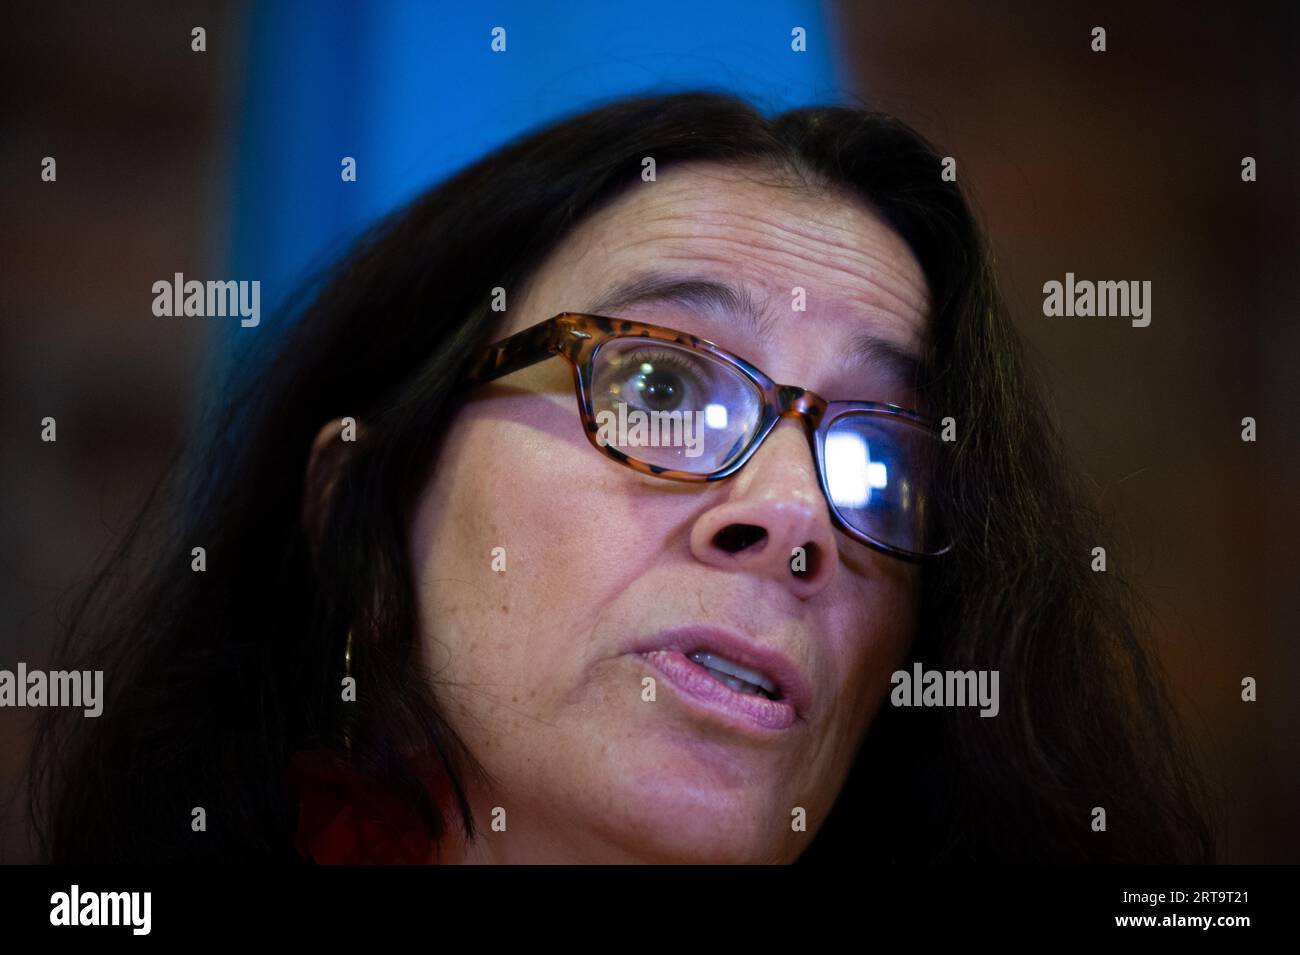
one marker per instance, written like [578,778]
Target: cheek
[520,538]
[876,624]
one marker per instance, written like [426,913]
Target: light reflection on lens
[850,472]
[879,472]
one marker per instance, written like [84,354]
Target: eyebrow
[696,293]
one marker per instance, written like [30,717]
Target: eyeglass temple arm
[518,351]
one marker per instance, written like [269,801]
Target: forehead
[736,225]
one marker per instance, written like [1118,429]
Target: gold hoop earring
[347,675]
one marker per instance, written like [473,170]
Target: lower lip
[708,695]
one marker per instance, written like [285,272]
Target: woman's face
[542,665]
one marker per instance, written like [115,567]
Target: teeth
[738,674]
[740,686]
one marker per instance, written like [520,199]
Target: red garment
[348,818]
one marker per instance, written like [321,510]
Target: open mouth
[722,673]
[731,674]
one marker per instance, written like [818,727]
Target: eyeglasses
[675,406]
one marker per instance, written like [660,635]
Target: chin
[686,847]
[679,821]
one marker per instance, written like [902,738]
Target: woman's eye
[657,384]
[658,390]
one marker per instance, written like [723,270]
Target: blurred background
[1117,165]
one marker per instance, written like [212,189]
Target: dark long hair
[213,679]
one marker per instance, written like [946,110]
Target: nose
[773,520]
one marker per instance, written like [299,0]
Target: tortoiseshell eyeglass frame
[576,336]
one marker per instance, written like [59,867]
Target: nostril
[737,537]
[806,560]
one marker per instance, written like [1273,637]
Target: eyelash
[673,359]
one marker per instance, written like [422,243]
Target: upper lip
[791,682]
